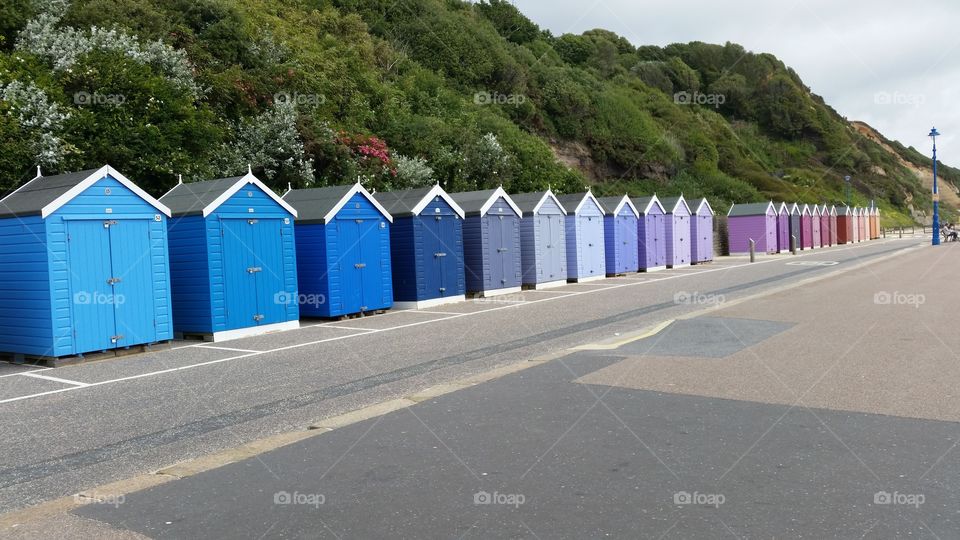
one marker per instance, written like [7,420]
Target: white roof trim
[816,210]
[437,191]
[543,199]
[587,195]
[98,175]
[499,192]
[805,210]
[783,206]
[794,207]
[684,201]
[655,200]
[832,210]
[248,178]
[629,203]
[704,201]
[357,188]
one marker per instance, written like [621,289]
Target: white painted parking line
[34,369]
[430,312]
[224,348]
[367,331]
[352,328]
[54,379]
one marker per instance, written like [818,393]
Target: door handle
[253,221]
[440,254]
[116,338]
[360,265]
[254,269]
[113,281]
[443,289]
[109,223]
[258,317]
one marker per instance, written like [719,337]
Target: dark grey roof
[36,194]
[191,198]
[528,201]
[401,203]
[844,210]
[472,201]
[314,204]
[751,209]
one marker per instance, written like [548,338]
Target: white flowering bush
[38,115]
[269,141]
[486,161]
[64,46]
[413,172]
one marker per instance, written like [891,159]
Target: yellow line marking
[608,346]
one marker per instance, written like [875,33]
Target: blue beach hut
[343,251]
[426,247]
[233,265]
[491,241]
[586,257]
[620,235]
[543,242]
[651,234]
[83,266]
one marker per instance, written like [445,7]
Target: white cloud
[847,52]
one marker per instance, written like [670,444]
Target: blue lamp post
[936,194]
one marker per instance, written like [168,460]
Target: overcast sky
[892,64]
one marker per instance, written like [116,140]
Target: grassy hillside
[315,92]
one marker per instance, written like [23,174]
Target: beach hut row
[777,227]
[90,262]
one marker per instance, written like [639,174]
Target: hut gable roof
[613,205]
[704,208]
[844,211]
[671,204]
[412,202]
[45,195]
[573,202]
[530,203]
[203,198]
[478,203]
[320,205]
[645,204]
[751,209]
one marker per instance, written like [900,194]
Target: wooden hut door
[436,249]
[240,271]
[555,260]
[132,263]
[94,321]
[498,249]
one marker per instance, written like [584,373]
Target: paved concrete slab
[533,455]
[9,368]
[705,337]
[879,340]
[310,332]
[108,370]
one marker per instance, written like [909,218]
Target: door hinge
[358,220]
[258,317]
[113,281]
[254,269]
[360,265]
